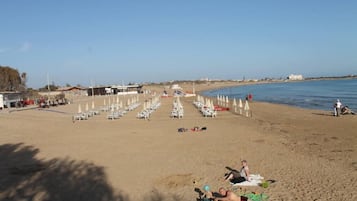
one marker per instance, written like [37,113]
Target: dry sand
[45,156]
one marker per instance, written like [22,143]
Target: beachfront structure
[115,89]
[10,99]
[295,77]
[67,92]
[73,91]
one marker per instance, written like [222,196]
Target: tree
[10,79]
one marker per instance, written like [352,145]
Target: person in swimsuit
[241,176]
[226,195]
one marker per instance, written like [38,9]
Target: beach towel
[255,180]
[256,197]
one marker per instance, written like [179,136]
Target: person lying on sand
[196,128]
[346,110]
[182,130]
[227,195]
[241,176]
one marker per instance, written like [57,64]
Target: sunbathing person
[346,110]
[227,195]
[241,176]
[196,128]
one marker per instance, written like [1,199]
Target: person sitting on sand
[337,108]
[241,176]
[227,195]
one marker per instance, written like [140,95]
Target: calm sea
[320,94]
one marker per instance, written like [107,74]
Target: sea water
[317,94]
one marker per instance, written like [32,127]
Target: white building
[1,101]
[295,77]
[10,99]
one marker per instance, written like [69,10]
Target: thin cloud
[25,47]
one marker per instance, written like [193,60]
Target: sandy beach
[310,154]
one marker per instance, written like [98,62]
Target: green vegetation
[12,80]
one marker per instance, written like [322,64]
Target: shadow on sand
[24,177]
[323,114]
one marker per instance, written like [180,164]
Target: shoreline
[291,104]
[136,159]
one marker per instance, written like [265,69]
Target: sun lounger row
[206,111]
[85,115]
[177,110]
[145,113]
[177,113]
[198,104]
[116,114]
[79,116]
[106,108]
[133,106]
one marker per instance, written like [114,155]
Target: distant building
[67,91]
[115,89]
[295,77]
[10,99]
[73,91]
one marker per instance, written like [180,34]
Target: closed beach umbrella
[92,104]
[246,108]
[87,107]
[235,105]
[212,105]
[246,105]
[227,101]
[240,105]
[79,108]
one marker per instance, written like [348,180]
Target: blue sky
[110,42]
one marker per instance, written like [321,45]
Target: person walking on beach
[337,108]
[241,176]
